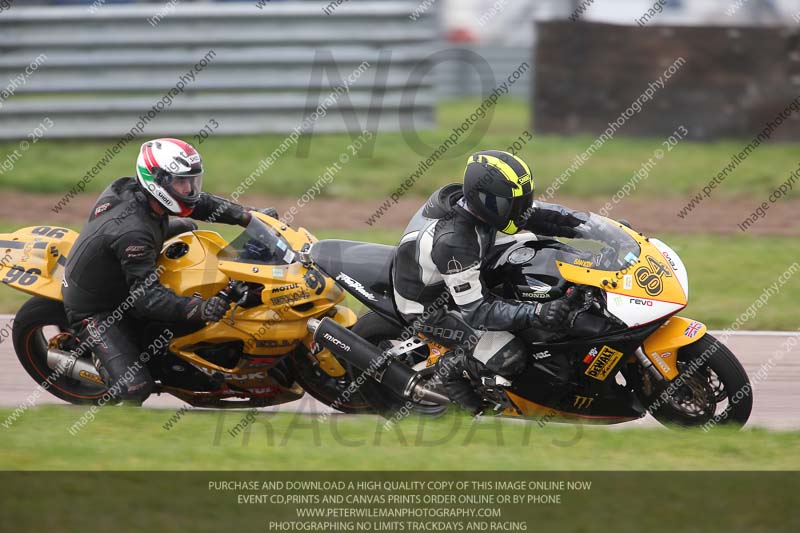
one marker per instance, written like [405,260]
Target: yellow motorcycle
[260,354]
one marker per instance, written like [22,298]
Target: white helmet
[171,171]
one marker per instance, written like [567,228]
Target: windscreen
[259,243]
[601,245]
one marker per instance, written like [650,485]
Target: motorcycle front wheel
[712,389]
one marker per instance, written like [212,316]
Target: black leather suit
[440,259]
[112,267]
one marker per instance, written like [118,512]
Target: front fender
[662,346]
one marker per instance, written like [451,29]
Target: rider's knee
[502,353]
[510,360]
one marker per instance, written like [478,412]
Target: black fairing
[368,265]
[559,381]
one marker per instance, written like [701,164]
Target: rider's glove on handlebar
[550,314]
[211,310]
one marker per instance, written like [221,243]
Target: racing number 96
[47,231]
[17,274]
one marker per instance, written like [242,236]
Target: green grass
[135,439]
[726,275]
[151,479]
[54,166]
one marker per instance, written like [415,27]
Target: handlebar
[233,292]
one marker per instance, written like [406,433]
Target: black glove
[270,212]
[211,310]
[552,314]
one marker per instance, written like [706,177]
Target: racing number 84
[649,277]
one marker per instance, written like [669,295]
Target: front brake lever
[236,305]
[588,302]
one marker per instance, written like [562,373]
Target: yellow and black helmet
[498,189]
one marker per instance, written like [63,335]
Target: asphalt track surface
[773,368]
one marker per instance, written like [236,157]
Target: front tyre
[38,321]
[711,390]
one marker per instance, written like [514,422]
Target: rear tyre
[329,390]
[37,321]
[715,390]
[380,332]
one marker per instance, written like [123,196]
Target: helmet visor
[506,210]
[185,188]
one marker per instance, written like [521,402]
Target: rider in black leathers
[443,249]
[111,269]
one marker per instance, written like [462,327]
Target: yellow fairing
[291,295]
[196,272]
[650,263]
[32,259]
[662,346]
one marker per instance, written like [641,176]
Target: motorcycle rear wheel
[378,331]
[37,321]
[327,389]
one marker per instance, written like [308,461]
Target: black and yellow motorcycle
[625,353]
[260,354]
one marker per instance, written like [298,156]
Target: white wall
[513,22]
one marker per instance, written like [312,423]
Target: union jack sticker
[692,330]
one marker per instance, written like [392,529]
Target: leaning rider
[443,249]
[115,256]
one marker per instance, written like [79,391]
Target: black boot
[458,385]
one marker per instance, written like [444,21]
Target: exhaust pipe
[394,375]
[66,364]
